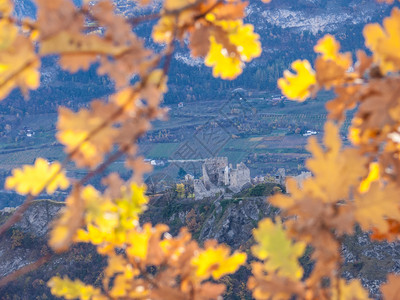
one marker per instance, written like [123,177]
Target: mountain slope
[288,30]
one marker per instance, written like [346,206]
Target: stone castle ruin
[219,177]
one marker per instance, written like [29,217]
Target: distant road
[185,160]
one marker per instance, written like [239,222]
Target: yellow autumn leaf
[243,37]
[65,287]
[176,4]
[70,219]
[385,42]
[349,291]
[6,8]
[126,99]
[329,48]
[157,78]
[377,204]
[19,65]
[109,220]
[131,205]
[226,64]
[373,175]
[72,43]
[163,30]
[139,242]
[354,135]
[33,179]
[280,254]
[80,129]
[116,264]
[335,171]
[216,261]
[8,34]
[78,51]
[297,86]
[140,245]
[390,289]
[223,64]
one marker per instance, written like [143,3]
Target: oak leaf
[272,286]
[329,48]
[329,73]
[65,287]
[385,42]
[80,133]
[335,171]
[200,41]
[163,30]
[346,99]
[70,220]
[378,203]
[230,11]
[174,5]
[232,43]
[57,15]
[223,64]
[8,34]
[280,254]
[243,37]
[78,51]
[391,289]
[349,291]
[6,8]
[373,175]
[216,261]
[297,86]
[110,220]
[19,67]
[41,176]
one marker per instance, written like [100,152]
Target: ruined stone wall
[233,183]
[281,176]
[201,191]
[212,170]
[217,175]
[239,176]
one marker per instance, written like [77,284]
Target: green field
[162,150]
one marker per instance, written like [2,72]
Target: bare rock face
[232,222]
[26,242]
[18,245]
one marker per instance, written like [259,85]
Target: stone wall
[202,191]
[217,176]
[239,176]
[213,170]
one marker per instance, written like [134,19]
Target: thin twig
[136,20]
[17,215]
[26,269]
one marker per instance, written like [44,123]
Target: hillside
[228,221]
[278,24]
